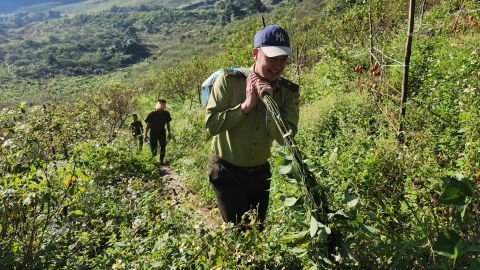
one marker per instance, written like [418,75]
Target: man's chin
[271,77]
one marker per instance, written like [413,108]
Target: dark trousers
[155,138]
[239,189]
[138,141]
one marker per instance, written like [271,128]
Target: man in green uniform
[243,130]
[137,131]
[156,121]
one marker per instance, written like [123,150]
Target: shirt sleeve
[220,114]
[149,119]
[169,118]
[141,125]
[289,113]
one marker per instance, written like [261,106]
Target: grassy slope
[164,45]
[345,137]
[202,35]
[356,151]
[95,6]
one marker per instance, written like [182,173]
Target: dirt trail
[174,186]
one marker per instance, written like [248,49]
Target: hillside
[77,194]
[73,7]
[91,45]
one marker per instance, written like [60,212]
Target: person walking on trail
[137,131]
[156,121]
[243,130]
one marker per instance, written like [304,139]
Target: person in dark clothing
[156,121]
[137,131]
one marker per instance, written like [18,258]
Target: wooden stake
[263,20]
[408,52]
[371,32]
[298,67]
[199,94]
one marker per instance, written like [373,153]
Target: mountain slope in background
[71,7]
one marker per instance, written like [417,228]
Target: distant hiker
[156,121]
[243,129]
[137,131]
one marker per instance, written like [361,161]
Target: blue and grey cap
[273,40]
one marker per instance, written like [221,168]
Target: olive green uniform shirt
[243,140]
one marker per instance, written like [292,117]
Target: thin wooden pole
[371,31]
[298,66]
[199,94]
[408,52]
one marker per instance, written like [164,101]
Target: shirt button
[260,112]
[258,128]
[252,157]
[255,144]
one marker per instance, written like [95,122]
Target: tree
[143,7]
[220,5]
[51,60]
[114,9]
[256,6]
[131,32]
[230,11]
[18,22]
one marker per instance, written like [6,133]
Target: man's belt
[247,170]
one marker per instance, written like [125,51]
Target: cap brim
[273,51]
[161,106]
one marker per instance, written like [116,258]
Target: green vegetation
[69,171]
[72,7]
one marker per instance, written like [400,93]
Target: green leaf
[297,250]
[78,212]
[462,186]
[350,200]
[368,229]
[120,244]
[291,181]
[474,264]
[473,248]
[210,240]
[294,236]
[285,168]
[219,260]
[463,130]
[285,156]
[446,242]
[296,173]
[324,257]
[455,192]
[476,240]
[156,264]
[288,200]
[339,215]
[313,226]
[400,253]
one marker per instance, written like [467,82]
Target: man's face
[269,68]
[135,118]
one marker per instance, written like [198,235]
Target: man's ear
[255,53]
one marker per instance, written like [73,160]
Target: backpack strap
[228,71]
